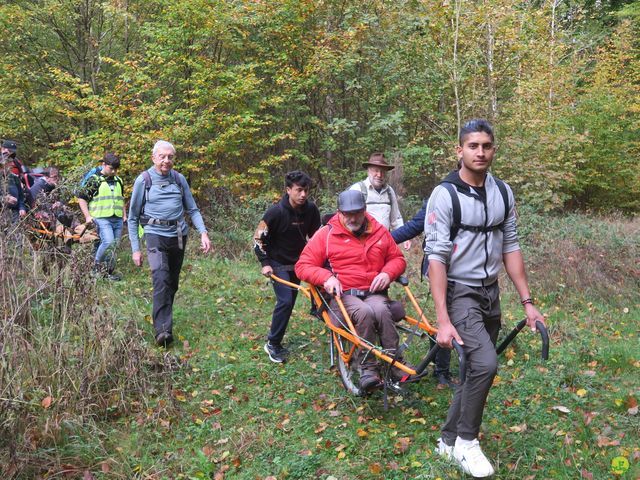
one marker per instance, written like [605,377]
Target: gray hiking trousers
[475,313]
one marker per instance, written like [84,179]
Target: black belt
[157,221]
[362,293]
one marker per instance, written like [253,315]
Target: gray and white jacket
[473,258]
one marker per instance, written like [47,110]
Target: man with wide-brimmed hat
[379,196]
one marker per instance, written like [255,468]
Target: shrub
[66,358]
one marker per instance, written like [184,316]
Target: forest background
[247,90]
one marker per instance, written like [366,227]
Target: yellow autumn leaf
[362,433]
[518,428]
[581,392]
[341,455]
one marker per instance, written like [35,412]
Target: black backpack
[457,224]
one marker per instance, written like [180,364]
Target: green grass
[214,406]
[229,410]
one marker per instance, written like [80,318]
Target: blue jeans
[110,231]
[285,300]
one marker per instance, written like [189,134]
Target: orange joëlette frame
[351,334]
[64,235]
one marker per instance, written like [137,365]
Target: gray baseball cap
[10,145]
[351,201]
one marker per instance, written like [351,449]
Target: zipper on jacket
[486,237]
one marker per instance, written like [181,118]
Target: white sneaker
[444,450]
[469,456]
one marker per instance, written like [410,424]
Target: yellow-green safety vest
[109,201]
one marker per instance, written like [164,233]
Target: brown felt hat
[378,160]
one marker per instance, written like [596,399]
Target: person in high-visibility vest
[102,202]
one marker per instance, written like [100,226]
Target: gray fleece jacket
[165,202]
[473,258]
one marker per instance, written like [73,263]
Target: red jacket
[354,261]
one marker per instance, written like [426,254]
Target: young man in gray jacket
[465,257]
[160,199]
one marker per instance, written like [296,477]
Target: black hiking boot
[164,339]
[445,380]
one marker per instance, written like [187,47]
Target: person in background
[409,230]
[101,201]
[11,191]
[381,199]
[279,238]
[44,184]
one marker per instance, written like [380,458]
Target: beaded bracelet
[526,301]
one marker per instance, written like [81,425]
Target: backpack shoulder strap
[363,189]
[455,205]
[146,178]
[505,198]
[176,177]
[393,198]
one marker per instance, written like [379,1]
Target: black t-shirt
[482,192]
[288,230]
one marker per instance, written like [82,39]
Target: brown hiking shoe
[369,378]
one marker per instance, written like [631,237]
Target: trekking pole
[462,360]
[544,336]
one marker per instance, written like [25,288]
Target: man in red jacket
[355,257]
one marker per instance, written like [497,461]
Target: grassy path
[230,413]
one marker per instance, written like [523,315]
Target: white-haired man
[160,199]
